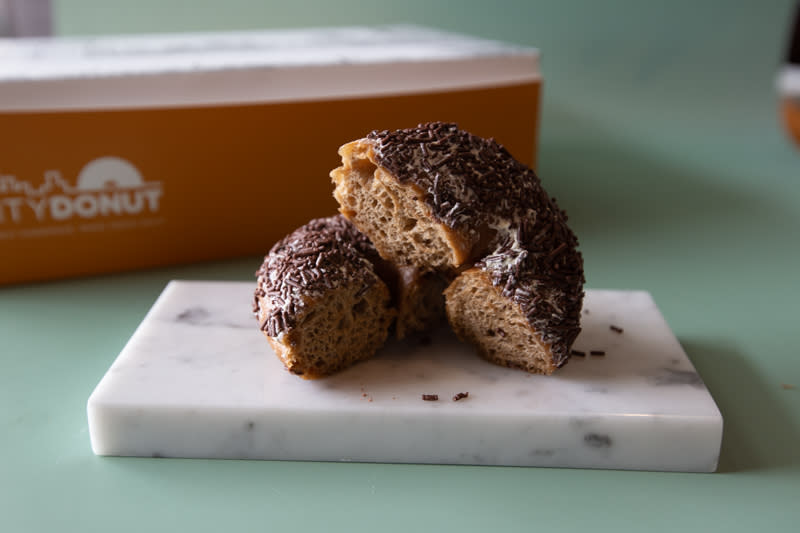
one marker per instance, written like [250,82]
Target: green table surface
[660,136]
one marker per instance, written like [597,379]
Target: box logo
[106,189]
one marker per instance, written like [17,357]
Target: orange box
[128,152]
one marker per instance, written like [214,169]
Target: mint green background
[659,135]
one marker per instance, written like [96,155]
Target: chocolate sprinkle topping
[323,255]
[615,329]
[597,352]
[430,397]
[460,396]
[465,177]
[472,184]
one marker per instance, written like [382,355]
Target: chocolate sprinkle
[578,353]
[430,397]
[323,255]
[615,329]
[597,352]
[472,184]
[460,396]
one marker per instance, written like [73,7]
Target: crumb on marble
[787,386]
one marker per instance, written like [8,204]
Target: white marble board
[197,379]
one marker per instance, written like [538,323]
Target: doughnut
[320,300]
[444,202]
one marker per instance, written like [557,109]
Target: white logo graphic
[109,172]
[105,187]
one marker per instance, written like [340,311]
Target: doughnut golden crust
[319,299]
[439,199]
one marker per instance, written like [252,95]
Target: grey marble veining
[197,379]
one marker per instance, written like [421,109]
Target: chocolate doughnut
[438,199]
[319,299]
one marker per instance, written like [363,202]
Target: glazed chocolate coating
[472,184]
[325,254]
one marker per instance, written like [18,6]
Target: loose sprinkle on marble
[430,397]
[460,396]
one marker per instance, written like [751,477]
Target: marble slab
[197,379]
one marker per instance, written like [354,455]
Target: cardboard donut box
[129,152]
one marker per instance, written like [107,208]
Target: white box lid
[249,67]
